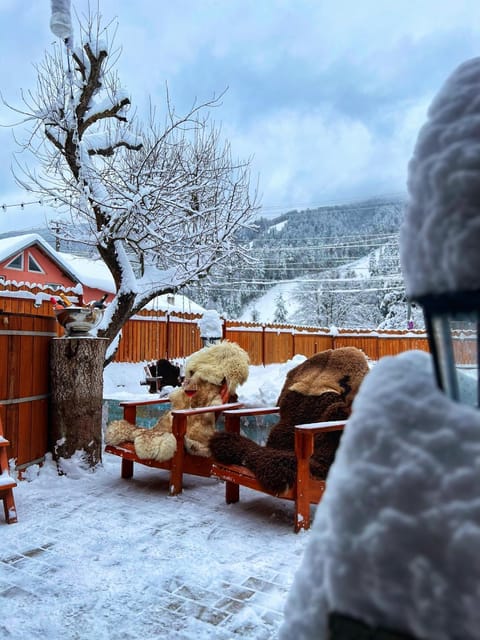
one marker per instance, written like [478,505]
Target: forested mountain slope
[334,265]
[315,248]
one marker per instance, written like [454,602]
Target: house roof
[89,272]
[10,247]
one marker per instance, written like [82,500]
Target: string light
[21,205]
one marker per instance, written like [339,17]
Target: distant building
[30,259]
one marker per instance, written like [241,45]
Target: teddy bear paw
[155,446]
[197,448]
[275,470]
[119,431]
[231,448]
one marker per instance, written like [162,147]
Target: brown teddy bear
[214,372]
[321,388]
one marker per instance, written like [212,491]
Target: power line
[298,208]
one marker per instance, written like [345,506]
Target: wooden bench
[182,461]
[7,483]
[306,490]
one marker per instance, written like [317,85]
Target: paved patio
[99,557]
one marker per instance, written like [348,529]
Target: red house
[30,259]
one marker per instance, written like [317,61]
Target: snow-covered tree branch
[161,203]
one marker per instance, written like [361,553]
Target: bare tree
[160,203]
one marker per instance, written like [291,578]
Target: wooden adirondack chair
[306,489]
[182,462]
[7,483]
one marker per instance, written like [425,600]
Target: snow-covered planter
[211,328]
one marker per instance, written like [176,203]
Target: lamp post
[452,321]
[440,235]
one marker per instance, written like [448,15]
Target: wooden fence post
[263,345]
[167,336]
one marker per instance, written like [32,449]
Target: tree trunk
[76,381]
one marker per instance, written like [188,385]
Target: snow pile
[265,383]
[210,324]
[396,537]
[441,231]
[121,381]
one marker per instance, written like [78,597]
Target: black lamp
[440,236]
[452,322]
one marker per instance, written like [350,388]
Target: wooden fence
[151,335]
[26,330]
[24,382]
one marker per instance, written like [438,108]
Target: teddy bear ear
[307,389]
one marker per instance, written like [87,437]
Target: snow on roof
[174,302]
[90,272]
[440,235]
[9,247]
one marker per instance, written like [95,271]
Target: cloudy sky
[326,95]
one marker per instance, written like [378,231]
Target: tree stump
[76,384]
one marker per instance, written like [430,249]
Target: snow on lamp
[440,236]
[210,325]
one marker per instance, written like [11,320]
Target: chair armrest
[232,418]
[253,411]
[305,435]
[138,403]
[321,427]
[179,416]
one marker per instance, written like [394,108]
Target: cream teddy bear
[215,372]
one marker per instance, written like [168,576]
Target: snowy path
[99,557]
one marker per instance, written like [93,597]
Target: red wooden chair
[7,484]
[182,461]
[307,490]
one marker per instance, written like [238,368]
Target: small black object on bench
[161,373]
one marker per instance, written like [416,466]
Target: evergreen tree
[280,316]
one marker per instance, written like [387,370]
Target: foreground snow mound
[396,537]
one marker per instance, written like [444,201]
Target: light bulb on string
[60,21]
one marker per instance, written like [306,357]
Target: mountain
[329,265]
[300,247]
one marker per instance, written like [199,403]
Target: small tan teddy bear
[215,372]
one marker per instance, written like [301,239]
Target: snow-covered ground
[95,557]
